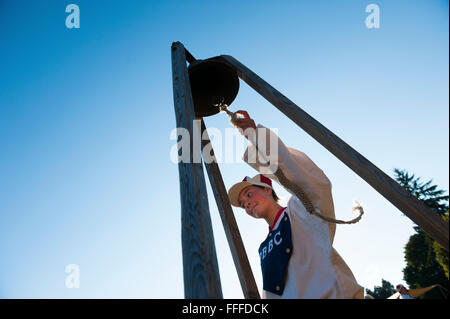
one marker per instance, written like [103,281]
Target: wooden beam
[417,211]
[244,271]
[189,57]
[200,267]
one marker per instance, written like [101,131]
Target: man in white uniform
[297,257]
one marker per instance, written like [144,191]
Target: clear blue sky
[86,116]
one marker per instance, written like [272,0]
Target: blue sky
[86,116]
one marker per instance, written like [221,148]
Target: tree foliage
[382,292]
[426,260]
[425,192]
[441,253]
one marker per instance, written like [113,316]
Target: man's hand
[245,123]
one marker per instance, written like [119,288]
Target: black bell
[212,82]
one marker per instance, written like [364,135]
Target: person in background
[404,294]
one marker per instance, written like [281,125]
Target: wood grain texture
[417,211]
[200,267]
[244,271]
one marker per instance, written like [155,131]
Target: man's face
[255,200]
[403,290]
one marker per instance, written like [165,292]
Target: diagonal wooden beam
[244,271]
[417,211]
[200,267]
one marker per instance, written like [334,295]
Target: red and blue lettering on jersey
[274,254]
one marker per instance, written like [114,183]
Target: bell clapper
[224,108]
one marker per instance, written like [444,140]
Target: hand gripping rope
[298,191]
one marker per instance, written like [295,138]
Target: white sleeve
[295,165]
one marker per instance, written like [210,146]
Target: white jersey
[315,269]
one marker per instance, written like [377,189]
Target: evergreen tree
[427,261]
[441,253]
[382,292]
[425,192]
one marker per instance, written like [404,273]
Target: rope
[296,189]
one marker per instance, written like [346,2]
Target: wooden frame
[200,268]
[417,211]
[230,226]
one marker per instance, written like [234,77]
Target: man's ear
[268,190]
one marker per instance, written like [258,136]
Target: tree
[427,261]
[422,268]
[382,292]
[441,253]
[429,194]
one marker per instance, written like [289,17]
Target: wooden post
[417,211]
[200,268]
[244,271]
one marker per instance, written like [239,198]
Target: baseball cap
[235,190]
